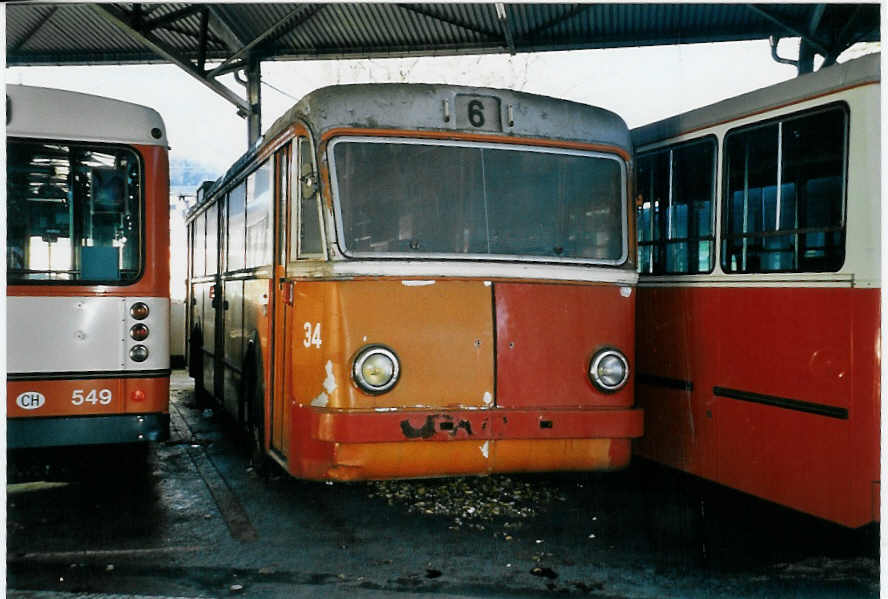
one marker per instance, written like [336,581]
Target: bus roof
[420,107]
[831,79]
[45,113]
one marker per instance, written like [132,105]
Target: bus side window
[784,202]
[236,240]
[199,255]
[310,239]
[676,189]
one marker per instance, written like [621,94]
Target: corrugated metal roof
[75,34]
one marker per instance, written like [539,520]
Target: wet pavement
[190,518]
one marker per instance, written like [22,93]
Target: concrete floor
[190,518]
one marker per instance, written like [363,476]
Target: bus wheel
[254,392]
[195,369]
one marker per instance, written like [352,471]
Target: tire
[254,400]
[195,369]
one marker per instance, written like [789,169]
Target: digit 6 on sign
[476,113]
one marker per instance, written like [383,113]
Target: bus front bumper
[383,444]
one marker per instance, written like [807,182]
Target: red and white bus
[758,222]
[87,266]
[422,280]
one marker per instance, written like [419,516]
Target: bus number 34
[101,397]
[312,334]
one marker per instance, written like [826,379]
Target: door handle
[287,292]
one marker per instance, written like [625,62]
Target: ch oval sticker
[30,400]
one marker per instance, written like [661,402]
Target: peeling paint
[488,398]
[330,381]
[321,400]
[435,423]
[417,283]
[485,449]
[425,431]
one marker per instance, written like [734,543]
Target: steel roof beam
[580,8]
[202,42]
[171,18]
[221,27]
[455,22]
[121,20]
[812,41]
[269,34]
[816,15]
[503,17]
[33,31]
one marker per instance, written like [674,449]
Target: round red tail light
[139,332]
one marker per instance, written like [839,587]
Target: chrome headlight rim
[595,362]
[366,353]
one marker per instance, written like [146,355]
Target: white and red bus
[422,280]
[758,223]
[87,267]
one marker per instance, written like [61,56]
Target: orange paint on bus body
[452,410]
[85,397]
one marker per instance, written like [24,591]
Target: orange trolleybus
[87,266]
[758,311]
[422,280]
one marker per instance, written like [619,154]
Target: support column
[254,99]
[806,57]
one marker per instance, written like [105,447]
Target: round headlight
[609,370]
[139,353]
[139,311]
[376,369]
[139,331]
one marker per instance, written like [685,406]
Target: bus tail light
[139,353]
[609,370]
[139,311]
[376,369]
[139,331]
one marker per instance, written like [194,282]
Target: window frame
[243,246]
[724,236]
[713,224]
[143,214]
[526,147]
[296,163]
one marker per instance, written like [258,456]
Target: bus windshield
[424,198]
[73,213]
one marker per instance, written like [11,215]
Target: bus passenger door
[276,414]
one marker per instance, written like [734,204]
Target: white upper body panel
[44,113]
[857,85]
[82,334]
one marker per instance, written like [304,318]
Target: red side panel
[773,391]
[808,345]
[545,336]
[675,376]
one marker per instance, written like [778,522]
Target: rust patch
[433,424]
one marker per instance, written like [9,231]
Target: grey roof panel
[419,106]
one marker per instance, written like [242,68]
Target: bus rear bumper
[86,430]
[380,445]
